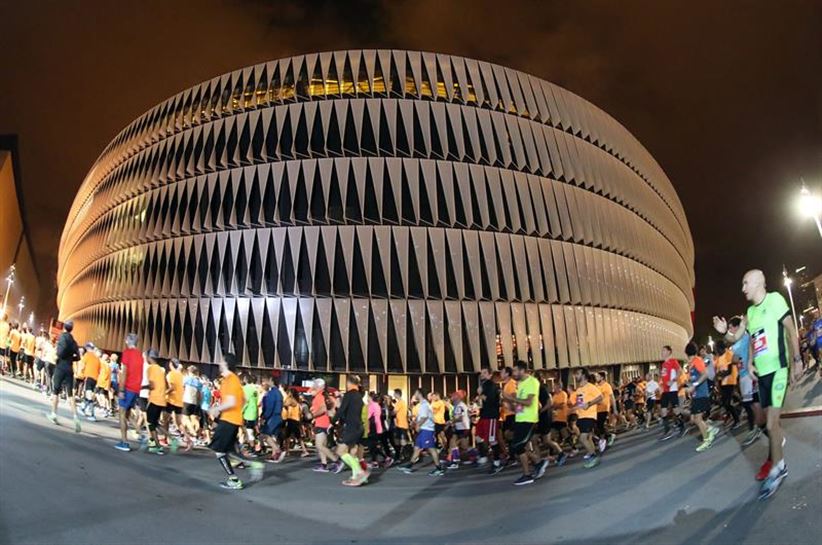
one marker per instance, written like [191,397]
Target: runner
[559,417]
[251,410]
[488,423]
[293,423]
[158,391]
[15,338]
[700,396]
[438,406]
[726,373]
[129,383]
[650,392]
[670,398]
[425,440]
[104,386]
[775,344]
[229,411]
[67,353]
[322,423]
[584,402]
[604,409]
[192,392]
[545,424]
[526,406]
[272,417]
[349,415]
[5,329]
[28,344]
[91,370]
[174,405]
[461,422]
[401,436]
[508,387]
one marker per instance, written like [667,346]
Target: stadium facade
[393,213]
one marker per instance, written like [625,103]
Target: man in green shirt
[250,408]
[526,406]
[775,346]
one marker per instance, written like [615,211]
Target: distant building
[389,213]
[15,247]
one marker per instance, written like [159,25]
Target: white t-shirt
[425,416]
[651,389]
[462,421]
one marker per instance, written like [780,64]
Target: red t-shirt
[132,361]
[670,372]
[318,404]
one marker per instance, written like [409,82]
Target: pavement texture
[57,486]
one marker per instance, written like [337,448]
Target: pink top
[375,413]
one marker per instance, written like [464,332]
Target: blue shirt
[817,329]
[702,389]
[742,350]
[272,404]
[205,401]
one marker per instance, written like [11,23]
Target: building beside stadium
[391,213]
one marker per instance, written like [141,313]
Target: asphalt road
[57,486]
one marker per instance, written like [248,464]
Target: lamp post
[788,281]
[9,282]
[810,206]
[31,318]
[20,306]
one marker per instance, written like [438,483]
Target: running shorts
[439,428]
[772,388]
[425,440]
[318,431]
[272,426]
[602,418]
[400,434]
[628,405]
[225,437]
[129,400]
[39,364]
[173,409]
[153,413]
[351,435]
[701,405]
[293,429]
[586,425]
[669,399]
[191,409]
[487,430]
[522,435]
[651,403]
[142,402]
[544,424]
[63,378]
[558,425]
[462,434]
[91,384]
[508,423]
[249,424]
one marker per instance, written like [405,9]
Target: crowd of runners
[516,417]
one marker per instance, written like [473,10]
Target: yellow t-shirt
[607,392]
[15,337]
[231,387]
[29,345]
[175,381]
[438,408]
[157,385]
[104,378]
[401,414]
[588,393]
[91,365]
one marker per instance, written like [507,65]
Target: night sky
[727,96]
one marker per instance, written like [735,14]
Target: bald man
[775,348]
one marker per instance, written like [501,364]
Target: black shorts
[628,405]
[669,399]
[153,413]
[558,425]
[318,431]
[250,424]
[293,429]
[39,364]
[462,434]
[102,391]
[544,424]
[225,437]
[63,378]
[13,356]
[91,384]
[508,423]
[649,406]
[142,403]
[351,436]
[173,409]
[439,428]
[191,409]
[586,425]
[701,405]
[523,431]
[400,433]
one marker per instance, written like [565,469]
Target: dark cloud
[727,96]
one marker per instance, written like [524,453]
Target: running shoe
[338,467]
[256,470]
[232,483]
[539,471]
[282,456]
[667,435]
[611,439]
[496,468]
[705,445]
[91,418]
[156,450]
[764,471]
[363,477]
[682,431]
[388,462]
[588,456]
[321,468]
[603,444]
[752,436]
[713,431]
[593,462]
[524,479]
[562,459]
[482,460]
[121,446]
[436,472]
[406,468]
[352,482]
[174,445]
[771,484]
[77,427]
[453,465]
[52,418]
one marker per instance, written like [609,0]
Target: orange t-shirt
[587,393]
[509,389]
[4,333]
[157,385]
[401,414]
[560,404]
[15,336]
[91,365]
[29,344]
[724,362]
[175,381]
[231,387]
[607,392]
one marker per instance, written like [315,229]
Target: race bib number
[760,342]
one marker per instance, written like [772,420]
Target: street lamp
[810,206]
[31,318]
[20,306]
[9,282]
[788,282]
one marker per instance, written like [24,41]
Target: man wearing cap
[67,353]
[319,412]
